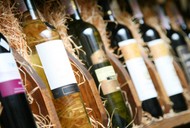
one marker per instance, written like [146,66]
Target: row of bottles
[47,50]
[122,38]
[50,60]
[162,60]
[96,60]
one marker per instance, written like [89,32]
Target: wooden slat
[181,75]
[89,91]
[170,122]
[42,104]
[162,95]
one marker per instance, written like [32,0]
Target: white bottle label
[141,78]
[165,67]
[10,80]
[8,68]
[57,68]
[108,79]
[105,73]
[137,70]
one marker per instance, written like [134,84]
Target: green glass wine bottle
[92,54]
[50,60]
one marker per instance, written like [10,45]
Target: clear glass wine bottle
[50,60]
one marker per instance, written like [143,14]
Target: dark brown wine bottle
[16,110]
[179,18]
[122,38]
[174,91]
[85,35]
[179,43]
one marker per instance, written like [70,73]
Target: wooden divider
[176,119]
[172,121]
[181,75]
[89,91]
[162,95]
[91,96]
[42,104]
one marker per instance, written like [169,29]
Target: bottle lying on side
[85,35]
[16,110]
[121,38]
[49,59]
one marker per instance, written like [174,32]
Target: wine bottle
[87,36]
[184,7]
[51,62]
[162,60]
[16,110]
[122,38]
[178,41]
[179,19]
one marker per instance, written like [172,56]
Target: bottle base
[179,103]
[152,106]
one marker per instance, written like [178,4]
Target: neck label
[158,48]
[129,49]
[110,86]
[98,57]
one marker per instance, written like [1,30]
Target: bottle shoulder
[81,27]
[144,28]
[175,36]
[148,33]
[37,32]
[118,31]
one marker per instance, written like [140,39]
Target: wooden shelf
[172,121]
[43,100]
[92,99]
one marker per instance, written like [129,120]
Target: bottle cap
[21,5]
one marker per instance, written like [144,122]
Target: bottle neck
[71,8]
[179,19]
[136,10]
[108,13]
[27,7]
[164,20]
[141,21]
